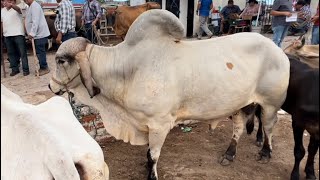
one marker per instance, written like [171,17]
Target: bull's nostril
[49,87]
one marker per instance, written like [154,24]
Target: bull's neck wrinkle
[90,51]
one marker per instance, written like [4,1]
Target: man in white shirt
[13,32]
[37,29]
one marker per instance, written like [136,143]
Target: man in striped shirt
[65,22]
[303,22]
[90,17]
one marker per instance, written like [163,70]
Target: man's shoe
[43,71]
[26,73]
[210,36]
[199,38]
[13,73]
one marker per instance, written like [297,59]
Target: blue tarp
[78,1]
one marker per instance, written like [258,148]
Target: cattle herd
[153,80]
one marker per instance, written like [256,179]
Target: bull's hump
[155,24]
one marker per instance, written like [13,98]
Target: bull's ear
[308,54]
[148,6]
[85,73]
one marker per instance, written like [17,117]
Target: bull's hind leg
[269,118]
[312,151]
[157,137]
[238,125]
[299,151]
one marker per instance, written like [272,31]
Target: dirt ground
[185,156]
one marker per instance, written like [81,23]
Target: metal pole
[257,21]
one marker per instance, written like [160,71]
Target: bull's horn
[85,73]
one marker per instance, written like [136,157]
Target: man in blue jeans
[13,32]
[204,8]
[90,17]
[315,29]
[37,29]
[280,10]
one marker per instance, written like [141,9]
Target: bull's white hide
[45,141]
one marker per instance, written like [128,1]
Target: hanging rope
[97,35]
[94,34]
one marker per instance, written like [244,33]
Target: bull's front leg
[157,136]
[238,125]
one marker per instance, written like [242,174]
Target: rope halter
[65,85]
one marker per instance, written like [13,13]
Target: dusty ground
[185,156]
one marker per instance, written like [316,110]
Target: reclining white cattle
[145,85]
[46,142]
[308,54]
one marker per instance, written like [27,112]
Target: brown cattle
[125,15]
[308,54]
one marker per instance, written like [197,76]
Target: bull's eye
[60,61]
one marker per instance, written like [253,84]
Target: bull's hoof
[295,175]
[226,160]
[263,157]
[311,177]
[152,176]
[259,143]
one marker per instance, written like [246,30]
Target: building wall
[137,2]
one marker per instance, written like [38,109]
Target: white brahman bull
[145,85]
[46,142]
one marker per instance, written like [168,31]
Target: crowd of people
[21,20]
[281,9]
[17,26]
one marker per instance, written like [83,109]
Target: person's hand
[314,18]
[197,12]
[288,14]
[300,14]
[58,39]
[94,22]
[30,37]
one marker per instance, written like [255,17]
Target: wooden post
[36,60]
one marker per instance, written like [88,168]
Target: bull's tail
[155,24]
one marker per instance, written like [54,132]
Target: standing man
[65,22]
[13,32]
[280,10]
[315,29]
[37,29]
[203,9]
[90,17]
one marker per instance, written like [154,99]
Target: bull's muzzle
[59,93]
